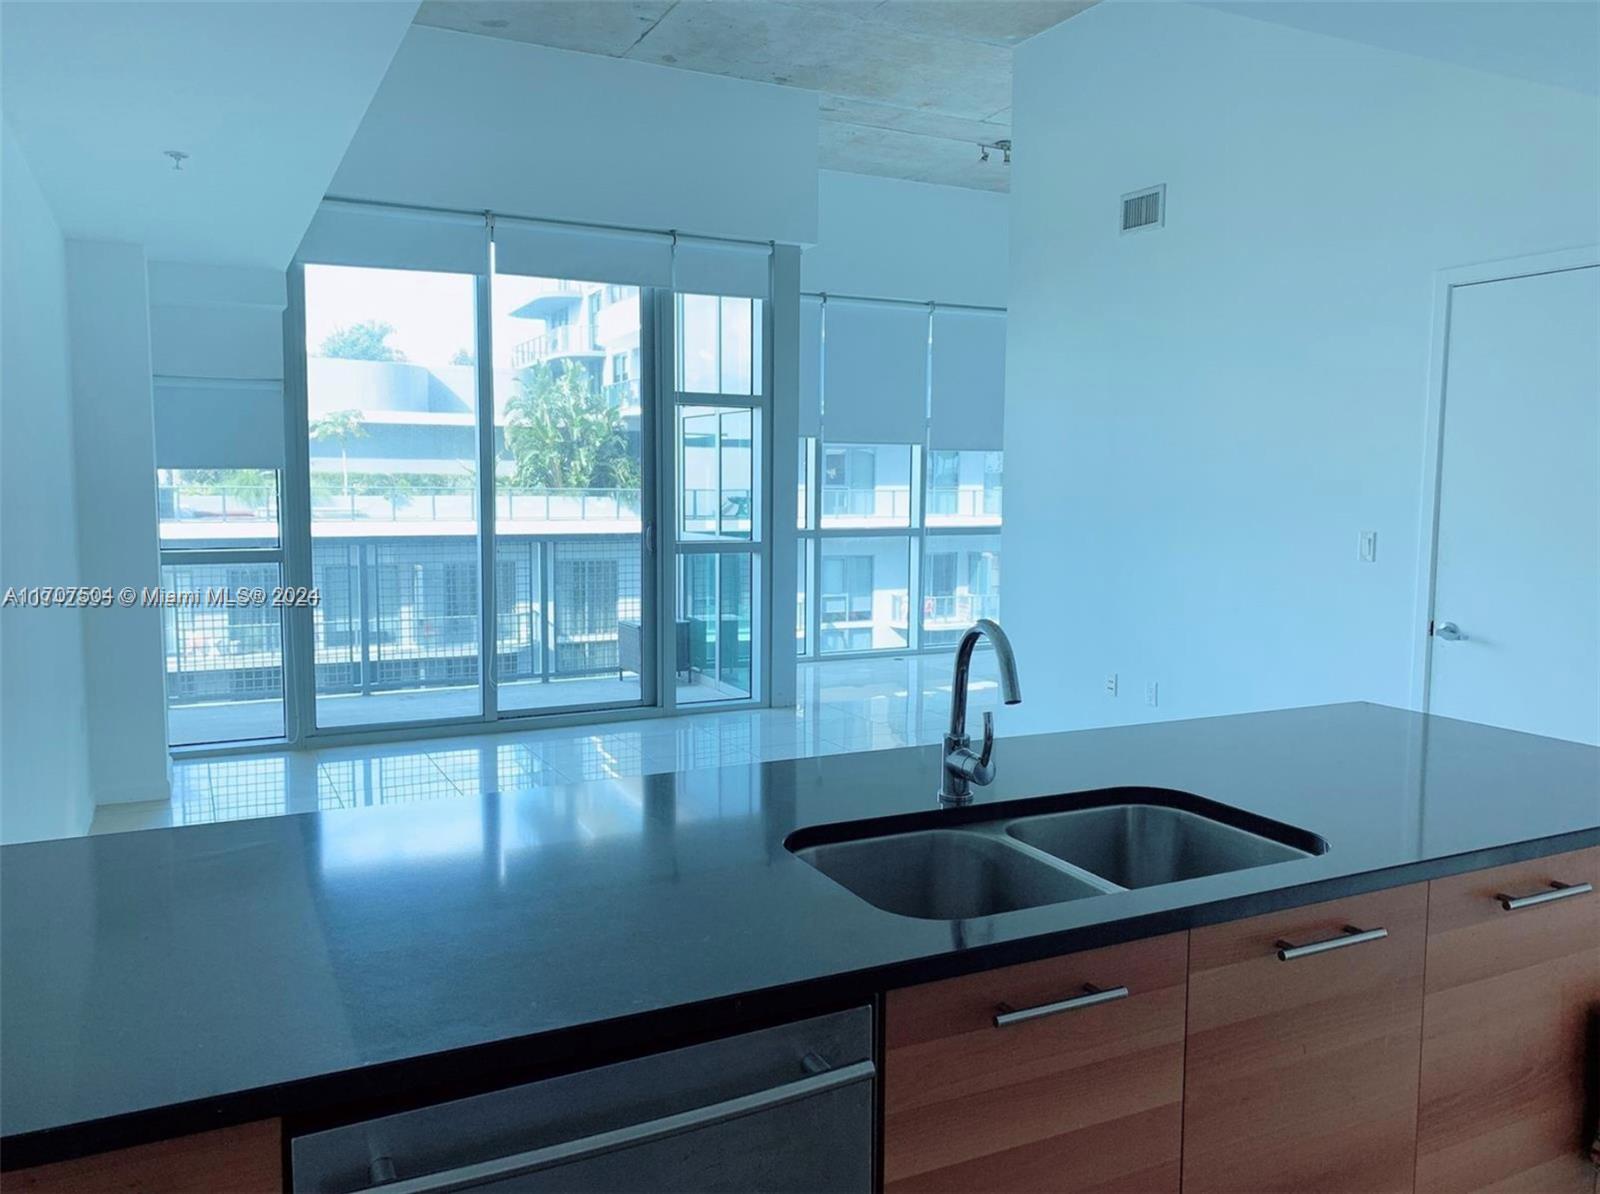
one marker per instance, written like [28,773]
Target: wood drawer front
[247,1159]
[1088,1099]
[1302,1075]
[1506,1026]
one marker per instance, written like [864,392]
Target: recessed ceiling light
[495,23]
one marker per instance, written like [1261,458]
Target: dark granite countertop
[165,981]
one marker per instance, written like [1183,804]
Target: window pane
[964,489]
[392,408]
[568,465]
[714,630]
[804,582]
[803,515]
[716,454]
[224,661]
[960,584]
[863,594]
[217,507]
[719,345]
[866,485]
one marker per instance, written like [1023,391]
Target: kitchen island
[323,967]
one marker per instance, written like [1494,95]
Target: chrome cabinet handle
[1007,1015]
[499,1168]
[1557,891]
[1288,952]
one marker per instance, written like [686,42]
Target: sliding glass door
[571,613]
[391,418]
[493,413]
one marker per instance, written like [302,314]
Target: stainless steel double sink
[983,860]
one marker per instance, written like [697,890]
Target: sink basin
[1141,845]
[945,874]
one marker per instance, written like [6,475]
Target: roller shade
[810,366]
[581,254]
[875,373]
[353,234]
[720,267]
[969,380]
[218,424]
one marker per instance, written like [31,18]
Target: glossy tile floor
[843,706]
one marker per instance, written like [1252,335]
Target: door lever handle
[1449,631]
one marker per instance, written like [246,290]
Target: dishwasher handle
[466,1176]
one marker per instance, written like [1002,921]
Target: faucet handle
[988,739]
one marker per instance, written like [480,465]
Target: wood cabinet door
[1506,1024]
[1301,1072]
[247,1159]
[1083,1099]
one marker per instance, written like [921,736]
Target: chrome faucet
[961,767]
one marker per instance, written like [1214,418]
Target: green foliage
[339,427]
[362,342]
[464,357]
[562,434]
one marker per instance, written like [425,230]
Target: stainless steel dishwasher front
[781,1109]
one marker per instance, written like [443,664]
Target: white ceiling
[1546,41]
[908,87]
[264,96]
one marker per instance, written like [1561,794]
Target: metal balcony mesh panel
[401,612]
[217,652]
[595,583]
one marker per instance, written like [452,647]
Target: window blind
[218,423]
[582,254]
[969,380]
[810,366]
[875,373]
[721,267]
[391,238]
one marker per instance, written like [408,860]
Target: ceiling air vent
[1144,209]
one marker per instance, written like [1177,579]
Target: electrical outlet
[1367,548]
[1151,693]
[1111,684]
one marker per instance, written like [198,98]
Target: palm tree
[562,434]
[340,427]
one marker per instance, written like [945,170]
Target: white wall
[44,775]
[1200,420]
[108,313]
[888,238]
[483,123]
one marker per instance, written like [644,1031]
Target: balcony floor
[844,706]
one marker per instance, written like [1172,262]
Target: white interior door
[1517,592]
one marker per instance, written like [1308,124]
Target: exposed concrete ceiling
[263,95]
[909,88]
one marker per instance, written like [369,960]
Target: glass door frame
[668,498]
[659,545]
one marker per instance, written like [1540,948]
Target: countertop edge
[359,1093]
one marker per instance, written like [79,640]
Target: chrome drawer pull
[1558,891]
[1007,1015]
[1288,952]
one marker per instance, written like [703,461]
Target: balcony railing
[960,609]
[402,504]
[968,501]
[567,340]
[400,613]
[219,503]
[876,504]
